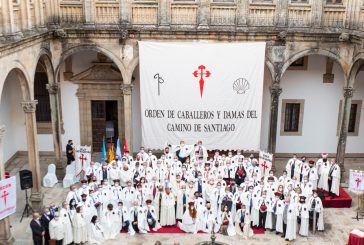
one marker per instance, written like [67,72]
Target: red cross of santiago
[82,158]
[201,73]
[4,196]
[264,166]
[357,182]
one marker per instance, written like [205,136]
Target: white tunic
[80,232]
[111,221]
[335,179]
[65,217]
[291,222]
[96,234]
[188,225]
[56,229]
[168,216]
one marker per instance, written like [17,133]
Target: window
[334,1]
[299,64]
[299,1]
[43,111]
[292,117]
[354,118]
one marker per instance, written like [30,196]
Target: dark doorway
[104,122]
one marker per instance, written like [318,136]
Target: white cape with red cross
[82,159]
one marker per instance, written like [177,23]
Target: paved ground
[338,222]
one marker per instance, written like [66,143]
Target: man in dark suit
[69,152]
[37,229]
[44,220]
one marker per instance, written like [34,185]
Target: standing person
[56,229]
[70,151]
[290,220]
[168,215]
[79,227]
[334,179]
[66,219]
[44,220]
[37,229]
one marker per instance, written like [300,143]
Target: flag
[125,147]
[118,150]
[103,151]
[111,151]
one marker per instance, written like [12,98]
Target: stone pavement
[338,222]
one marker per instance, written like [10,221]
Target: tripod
[28,209]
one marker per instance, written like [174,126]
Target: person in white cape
[80,231]
[65,217]
[242,223]
[189,219]
[138,218]
[168,215]
[290,219]
[315,204]
[303,213]
[111,222]
[151,216]
[334,179]
[96,232]
[57,229]
[209,220]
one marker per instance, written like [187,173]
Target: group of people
[227,193]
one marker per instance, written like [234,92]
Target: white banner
[265,162]
[7,197]
[356,181]
[83,159]
[201,91]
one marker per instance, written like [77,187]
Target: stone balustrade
[22,15]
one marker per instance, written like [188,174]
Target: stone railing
[185,14]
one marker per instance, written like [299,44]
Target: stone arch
[93,47]
[23,77]
[46,56]
[270,67]
[354,69]
[311,51]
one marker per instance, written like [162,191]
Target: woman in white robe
[269,216]
[189,220]
[226,221]
[66,219]
[335,175]
[279,213]
[80,233]
[96,232]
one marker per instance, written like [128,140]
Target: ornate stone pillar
[26,20]
[243,12]
[33,156]
[164,13]
[344,123]
[36,6]
[53,89]
[317,9]
[126,92]
[203,14]
[7,15]
[281,13]
[5,233]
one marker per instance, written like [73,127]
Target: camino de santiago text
[225,123]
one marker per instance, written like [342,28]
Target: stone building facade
[47,36]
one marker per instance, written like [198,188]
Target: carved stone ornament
[124,34]
[282,36]
[127,88]
[59,33]
[344,37]
[348,92]
[275,90]
[52,88]
[29,106]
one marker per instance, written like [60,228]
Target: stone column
[89,11]
[275,91]
[53,89]
[317,9]
[33,156]
[243,12]
[281,13]
[26,20]
[203,15]
[164,13]
[36,6]
[124,12]
[5,233]
[7,15]
[126,92]
[352,18]
[344,123]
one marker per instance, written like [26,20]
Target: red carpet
[342,201]
[176,230]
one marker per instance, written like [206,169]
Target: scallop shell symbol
[241,85]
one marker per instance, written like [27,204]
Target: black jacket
[37,230]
